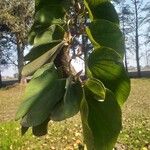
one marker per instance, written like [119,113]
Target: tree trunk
[0,80]
[137,40]
[20,54]
[126,63]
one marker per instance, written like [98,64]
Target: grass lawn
[67,135]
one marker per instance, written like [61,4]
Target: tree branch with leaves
[57,91]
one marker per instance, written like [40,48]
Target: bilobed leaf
[39,50]
[104,121]
[107,34]
[102,9]
[49,56]
[41,129]
[43,79]
[44,103]
[70,103]
[97,88]
[105,65]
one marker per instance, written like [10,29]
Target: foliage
[56,91]
[134,19]
[7,41]
[15,21]
[146,20]
[17,16]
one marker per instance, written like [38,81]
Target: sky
[78,65]
[143,47]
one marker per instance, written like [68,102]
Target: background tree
[146,20]
[127,25]
[132,18]
[7,52]
[137,10]
[17,17]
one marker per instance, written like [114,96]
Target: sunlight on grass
[10,137]
[67,135]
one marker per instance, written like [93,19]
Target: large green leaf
[58,33]
[87,132]
[42,3]
[44,103]
[42,78]
[105,65]
[38,130]
[49,56]
[44,36]
[101,9]
[51,12]
[40,34]
[70,104]
[54,32]
[39,50]
[97,88]
[107,34]
[43,69]
[47,13]
[41,129]
[103,121]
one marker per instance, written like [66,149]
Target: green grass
[9,136]
[66,135]
[137,135]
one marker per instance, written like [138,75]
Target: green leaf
[105,33]
[105,65]
[39,50]
[42,79]
[44,36]
[96,87]
[70,104]
[58,33]
[33,32]
[104,121]
[44,103]
[64,3]
[31,37]
[40,71]
[101,9]
[41,129]
[49,56]
[49,12]
[87,133]
[24,130]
